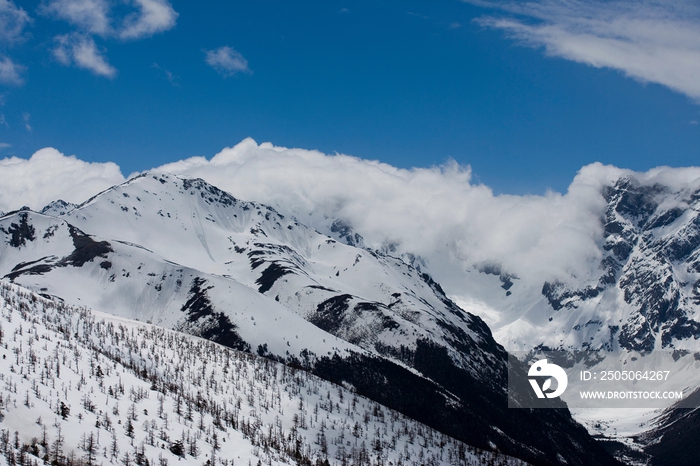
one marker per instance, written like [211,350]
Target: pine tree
[64,410]
[57,448]
[129,429]
[114,447]
[89,446]
[177,448]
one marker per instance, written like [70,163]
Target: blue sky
[526,93]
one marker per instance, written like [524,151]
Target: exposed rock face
[651,257]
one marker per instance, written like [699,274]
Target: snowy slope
[55,258]
[87,388]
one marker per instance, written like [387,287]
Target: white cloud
[12,22]
[26,116]
[227,61]
[97,17]
[10,72]
[49,175]
[154,16]
[81,51]
[648,40]
[90,15]
[434,212]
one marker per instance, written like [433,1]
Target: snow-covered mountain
[130,281]
[185,255]
[385,305]
[87,388]
[642,294]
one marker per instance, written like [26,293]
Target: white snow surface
[81,387]
[140,285]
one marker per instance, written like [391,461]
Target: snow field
[80,389]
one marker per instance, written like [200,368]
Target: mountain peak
[58,208]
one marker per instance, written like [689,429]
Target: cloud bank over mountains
[432,212]
[436,213]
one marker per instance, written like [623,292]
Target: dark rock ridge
[59,207]
[21,232]
[673,442]
[86,249]
[204,321]
[650,248]
[492,268]
[342,231]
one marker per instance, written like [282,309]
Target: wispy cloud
[172,79]
[154,16]
[10,72]
[417,15]
[227,61]
[26,117]
[648,40]
[97,17]
[12,22]
[89,15]
[101,18]
[80,50]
